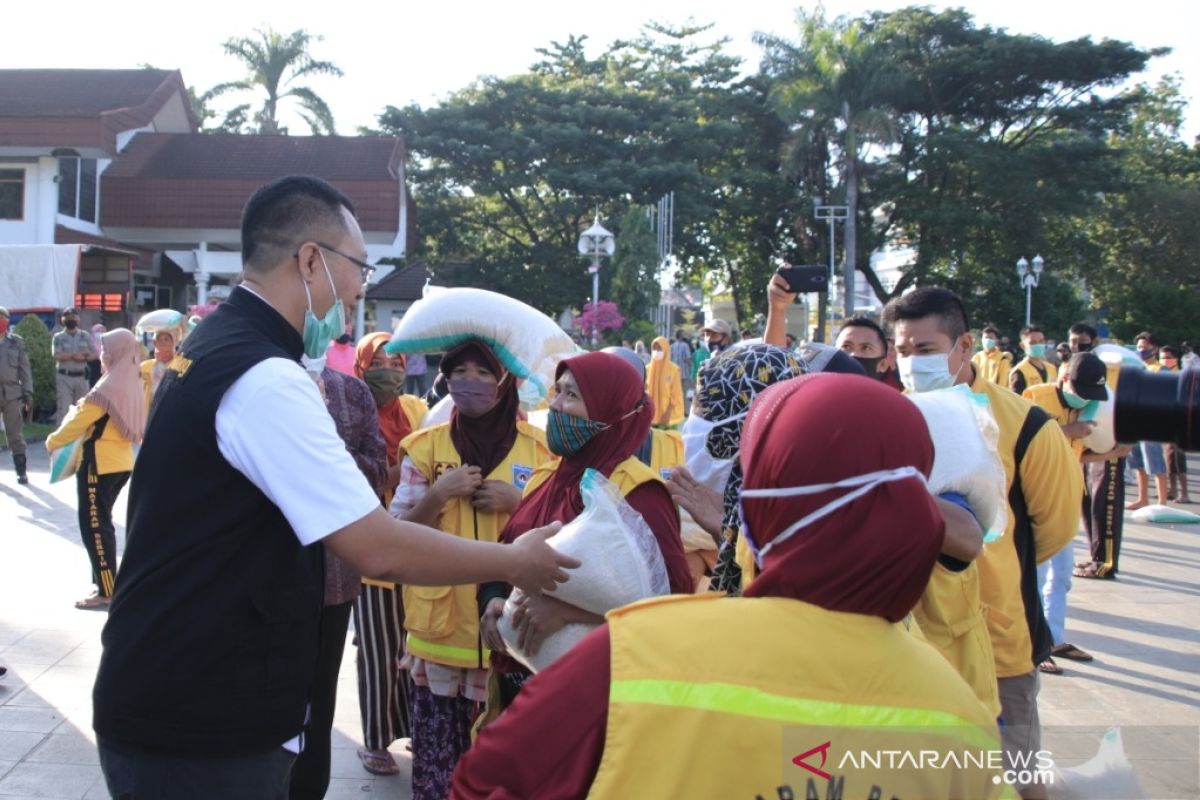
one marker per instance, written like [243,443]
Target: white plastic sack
[620,564]
[1157,513]
[965,456]
[164,319]
[1108,774]
[1103,436]
[439,413]
[526,341]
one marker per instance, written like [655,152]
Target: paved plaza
[1144,630]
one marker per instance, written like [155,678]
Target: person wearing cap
[72,349]
[1033,369]
[1081,384]
[993,362]
[718,336]
[16,392]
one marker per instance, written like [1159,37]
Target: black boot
[19,461]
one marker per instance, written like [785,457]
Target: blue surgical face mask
[1075,401]
[318,334]
[926,373]
[989,344]
[1037,351]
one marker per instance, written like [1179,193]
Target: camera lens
[1158,407]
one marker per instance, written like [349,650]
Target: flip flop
[378,762]
[1089,571]
[1071,652]
[92,603]
[1049,667]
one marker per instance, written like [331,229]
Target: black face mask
[71,324]
[870,365]
[1082,347]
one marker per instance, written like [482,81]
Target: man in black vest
[211,642]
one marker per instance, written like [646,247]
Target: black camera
[1158,407]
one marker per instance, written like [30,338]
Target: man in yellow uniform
[934,348]
[992,362]
[1081,383]
[1033,369]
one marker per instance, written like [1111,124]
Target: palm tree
[833,85]
[274,61]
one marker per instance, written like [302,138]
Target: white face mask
[864,484]
[657,355]
[927,373]
[707,470]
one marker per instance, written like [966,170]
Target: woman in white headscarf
[108,422]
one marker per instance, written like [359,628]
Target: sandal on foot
[1070,651]
[1090,570]
[378,762]
[1049,667]
[93,602]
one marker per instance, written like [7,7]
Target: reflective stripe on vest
[747,701]
[439,652]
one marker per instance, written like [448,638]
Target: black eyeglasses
[367,269]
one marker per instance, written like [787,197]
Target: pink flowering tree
[603,317]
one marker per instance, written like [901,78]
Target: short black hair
[930,301]
[1083,329]
[992,329]
[1168,351]
[866,322]
[1148,336]
[1028,329]
[281,215]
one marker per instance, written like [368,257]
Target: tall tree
[834,87]
[274,62]
[508,171]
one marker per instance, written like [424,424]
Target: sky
[408,52]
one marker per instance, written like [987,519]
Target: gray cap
[825,358]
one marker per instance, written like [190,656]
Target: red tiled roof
[204,180]
[76,92]
[408,283]
[227,155]
[82,107]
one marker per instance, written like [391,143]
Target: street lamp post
[1030,275]
[596,242]
[833,214]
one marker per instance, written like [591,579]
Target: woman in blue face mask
[599,417]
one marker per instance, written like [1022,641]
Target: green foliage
[41,364]
[273,61]
[632,275]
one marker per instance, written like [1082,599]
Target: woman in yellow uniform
[111,419]
[463,477]
[664,384]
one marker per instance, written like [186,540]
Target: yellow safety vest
[951,616]
[1032,377]
[443,621]
[785,680]
[994,366]
[627,476]
[666,452]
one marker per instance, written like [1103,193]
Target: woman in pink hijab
[108,422]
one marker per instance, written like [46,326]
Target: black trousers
[97,495]
[310,775]
[141,776]
[1104,512]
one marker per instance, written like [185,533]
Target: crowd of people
[815,580]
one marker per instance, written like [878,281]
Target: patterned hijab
[728,383]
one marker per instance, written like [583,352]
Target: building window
[12,194]
[77,188]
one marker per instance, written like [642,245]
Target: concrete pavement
[1143,630]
